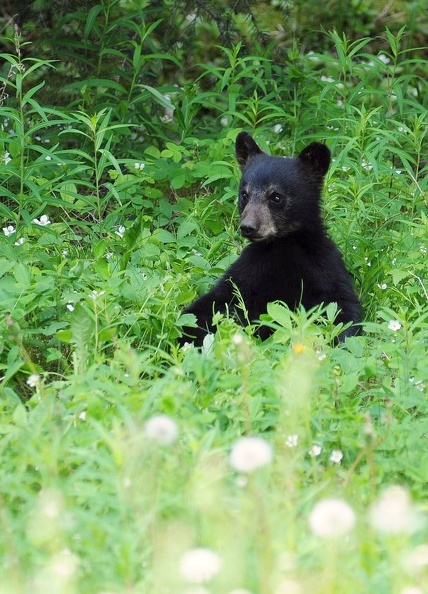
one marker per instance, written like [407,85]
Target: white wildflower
[315,450]
[9,230]
[384,58]
[224,121]
[120,231]
[19,241]
[95,294]
[199,565]
[6,158]
[48,158]
[277,128]
[161,429]
[291,441]
[336,456]
[70,306]
[331,518]
[33,380]
[394,325]
[382,286]
[139,166]
[43,221]
[250,453]
[394,512]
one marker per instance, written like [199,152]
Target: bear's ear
[317,157]
[246,148]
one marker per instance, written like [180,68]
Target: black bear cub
[290,257]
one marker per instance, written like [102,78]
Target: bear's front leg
[217,300]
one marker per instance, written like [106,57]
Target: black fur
[290,257]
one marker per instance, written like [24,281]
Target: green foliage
[118,207]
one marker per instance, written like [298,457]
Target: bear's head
[279,195]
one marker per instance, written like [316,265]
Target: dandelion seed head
[64,564]
[289,587]
[393,512]
[161,429]
[199,565]
[250,453]
[330,518]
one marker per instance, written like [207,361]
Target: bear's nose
[248,231]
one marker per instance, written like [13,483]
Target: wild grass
[125,466]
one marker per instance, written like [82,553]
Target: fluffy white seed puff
[394,512]
[250,453]
[331,517]
[199,565]
[161,429]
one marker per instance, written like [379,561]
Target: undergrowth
[116,444]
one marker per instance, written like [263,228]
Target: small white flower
[161,429]
[48,158]
[327,79]
[199,565]
[9,230]
[394,512]
[336,456]
[277,128]
[291,441]
[82,415]
[70,306]
[315,450]
[331,518]
[384,58]
[19,241]
[394,325]
[96,294]
[33,380]
[43,221]
[320,355]
[120,231]
[250,453]
[6,158]
[423,249]
[224,121]
[139,166]
[383,286]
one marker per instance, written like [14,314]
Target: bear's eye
[244,197]
[276,198]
